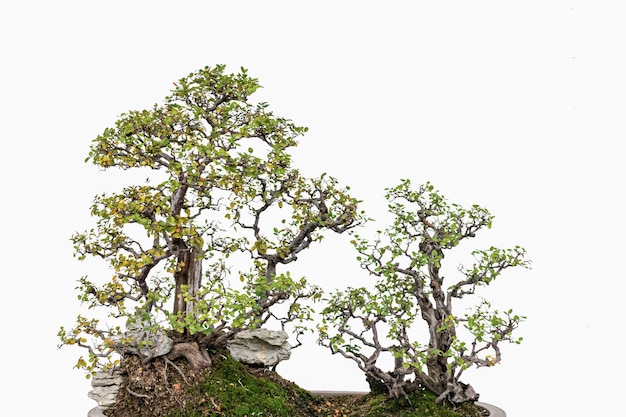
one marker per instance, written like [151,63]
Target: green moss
[422,405]
[231,388]
[243,394]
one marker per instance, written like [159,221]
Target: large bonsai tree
[365,324]
[223,190]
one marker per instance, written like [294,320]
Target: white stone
[260,347]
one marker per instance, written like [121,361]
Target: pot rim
[493,410]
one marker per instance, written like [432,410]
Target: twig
[135,393]
[239,380]
[180,371]
[217,407]
[165,373]
[165,382]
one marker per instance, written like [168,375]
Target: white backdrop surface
[517,106]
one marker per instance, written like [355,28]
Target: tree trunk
[194,280]
[188,275]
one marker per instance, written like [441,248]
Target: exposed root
[190,351]
[458,393]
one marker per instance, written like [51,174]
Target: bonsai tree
[222,192]
[365,324]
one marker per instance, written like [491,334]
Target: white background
[515,105]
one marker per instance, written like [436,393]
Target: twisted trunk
[438,378]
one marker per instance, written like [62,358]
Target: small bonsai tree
[364,324]
[225,190]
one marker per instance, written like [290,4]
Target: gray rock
[95,412]
[106,379]
[105,387]
[143,339]
[260,347]
[140,338]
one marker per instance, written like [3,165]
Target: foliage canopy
[228,189]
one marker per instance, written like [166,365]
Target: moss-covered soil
[233,390]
